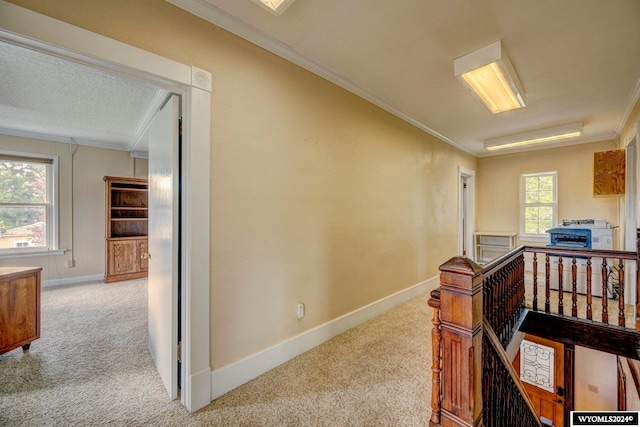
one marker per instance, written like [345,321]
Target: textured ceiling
[578,60]
[59,99]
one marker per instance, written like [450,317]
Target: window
[28,209]
[538,204]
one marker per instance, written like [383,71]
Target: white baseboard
[72,280]
[199,394]
[231,376]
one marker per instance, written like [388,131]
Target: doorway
[541,365]
[24,28]
[466,211]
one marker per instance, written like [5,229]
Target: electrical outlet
[300,310]
[592,388]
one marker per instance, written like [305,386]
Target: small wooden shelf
[492,244]
[127,210]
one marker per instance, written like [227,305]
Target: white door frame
[466,211]
[631,219]
[631,212]
[35,31]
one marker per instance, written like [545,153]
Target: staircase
[481,314]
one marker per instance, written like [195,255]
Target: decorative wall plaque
[608,173]
[537,363]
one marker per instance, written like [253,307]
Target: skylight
[277,7]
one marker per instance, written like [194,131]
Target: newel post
[461,331]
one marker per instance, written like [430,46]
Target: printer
[582,233]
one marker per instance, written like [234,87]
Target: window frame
[52,208]
[534,237]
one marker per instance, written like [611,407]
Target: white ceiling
[47,97]
[578,60]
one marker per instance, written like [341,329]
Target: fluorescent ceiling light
[489,74]
[277,7]
[535,137]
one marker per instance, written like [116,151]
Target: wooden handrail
[581,253]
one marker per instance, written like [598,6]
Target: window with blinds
[28,211]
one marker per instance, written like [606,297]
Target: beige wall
[90,165]
[317,196]
[596,385]
[498,186]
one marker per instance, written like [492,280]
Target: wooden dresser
[19,307]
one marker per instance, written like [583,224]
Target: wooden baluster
[547,289]
[637,267]
[502,302]
[605,309]
[436,350]
[621,316]
[535,281]
[517,288]
[511,288]
[488,302]
[496,298]
[589,296]
[492,303]
[560,286]
[521,287]
[574,288]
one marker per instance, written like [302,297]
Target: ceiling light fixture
[534,137]
[277,7]
[489,74]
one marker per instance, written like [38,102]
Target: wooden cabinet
[127,218]
[19,307]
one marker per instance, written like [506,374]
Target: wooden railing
[468,357]
[477,311]
[503,290]
[505,402]
[611,293]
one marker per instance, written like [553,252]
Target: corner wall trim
[231,376]
[72,280]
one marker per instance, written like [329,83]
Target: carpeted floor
[91,366]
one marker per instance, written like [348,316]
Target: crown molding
[227,22]
[64,139]
[631,103]
[145,120]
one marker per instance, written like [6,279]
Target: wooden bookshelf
[127,217]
